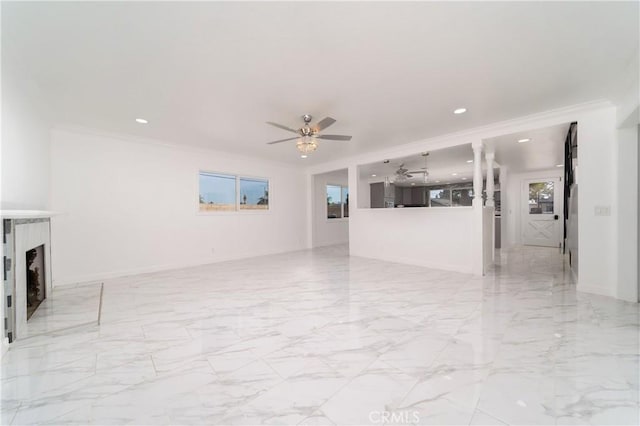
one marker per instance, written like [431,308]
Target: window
[440,198]
[221,192]
[337,201]
[217,192]
[541,198]
[345,201]
[461,197]
[254,194]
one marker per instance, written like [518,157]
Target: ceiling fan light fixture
[306,135]
[306,145]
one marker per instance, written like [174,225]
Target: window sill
[338,220]
[234,213]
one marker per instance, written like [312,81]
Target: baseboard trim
[416,262]
[592,289]
[102,276]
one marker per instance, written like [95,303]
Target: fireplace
[35,279]
[27,268]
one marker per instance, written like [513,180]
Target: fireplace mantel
[27,214]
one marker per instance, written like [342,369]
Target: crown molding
[89,131]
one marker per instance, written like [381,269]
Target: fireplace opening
[36,291]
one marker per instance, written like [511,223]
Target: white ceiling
[211,73]
[441,165]
[544,150]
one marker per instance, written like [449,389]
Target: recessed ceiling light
[464,178]
[469,161]
[459,111]
[559,165]
[437,181]
[373,175]
[454,174]
[413,184]
[141,121]
[303,156]
[523,140]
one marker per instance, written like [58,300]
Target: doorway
[330,208]
[542,210]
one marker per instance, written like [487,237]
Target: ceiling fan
[402,174]
[308,134]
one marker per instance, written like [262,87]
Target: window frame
[326,206]
[254,178]
[237,209]
[450,189]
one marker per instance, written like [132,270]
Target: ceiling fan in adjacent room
[308,134]
[402,174]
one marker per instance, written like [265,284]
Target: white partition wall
[433,237]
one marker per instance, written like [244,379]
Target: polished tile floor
[68,306]
[316,337]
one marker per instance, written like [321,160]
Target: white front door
[542,212]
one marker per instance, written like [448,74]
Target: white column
[477,173]
[476,238]
[489,156]
[505,218]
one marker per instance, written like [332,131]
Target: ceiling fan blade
[323,124]
[283,127]
[417,171]
[335,137]
[282,140]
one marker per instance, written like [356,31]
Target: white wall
[597,237]
[514,203]
[130,207]
[328,231]
[24,148]
[25,143]
[432,237]
[627,213]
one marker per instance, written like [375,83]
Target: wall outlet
[602,210]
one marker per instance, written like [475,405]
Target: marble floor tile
[320,338]
[67,306]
